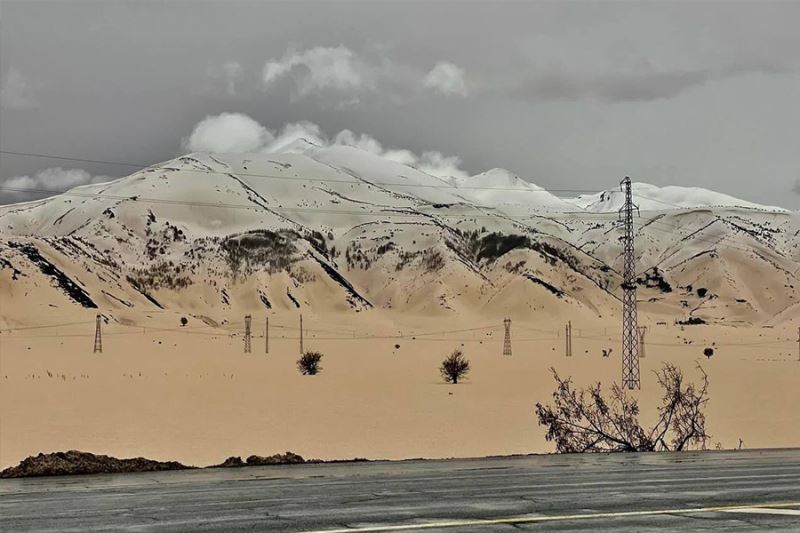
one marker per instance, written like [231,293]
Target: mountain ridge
[338,229]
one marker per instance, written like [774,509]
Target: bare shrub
[585,421]
[454,367]
[309,363]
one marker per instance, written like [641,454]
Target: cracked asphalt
[694,491]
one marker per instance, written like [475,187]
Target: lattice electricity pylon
[568,337]
[98,336]
[507,339]
[247,346]
[642,333]
[301,334]
[630,333]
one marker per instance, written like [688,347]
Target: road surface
[704,491]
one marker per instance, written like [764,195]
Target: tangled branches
[585,421]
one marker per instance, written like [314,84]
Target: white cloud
[16,91]
[436,164]
[363,141]
[294,131]
[227,132]
[447,78]
[232,72]
[54,179]
[236,132]
[224,78]
[317,69]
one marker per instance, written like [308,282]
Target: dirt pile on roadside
[287,458]
[76,462]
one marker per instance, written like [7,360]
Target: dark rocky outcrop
[75,462]
[287,458]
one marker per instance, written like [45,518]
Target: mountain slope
[340,230]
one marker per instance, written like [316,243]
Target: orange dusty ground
[191,395]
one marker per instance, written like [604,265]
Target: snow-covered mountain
[500,188]
[338,229]
[653,198]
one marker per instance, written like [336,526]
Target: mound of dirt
[287,458]
[75,462]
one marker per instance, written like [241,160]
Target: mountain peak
[651,197]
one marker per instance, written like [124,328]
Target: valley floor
[190,394]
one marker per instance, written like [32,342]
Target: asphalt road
[736,491]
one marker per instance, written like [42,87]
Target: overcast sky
[567,94]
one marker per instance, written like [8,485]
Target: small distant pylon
[247,346]
[568,337]
[507,339]
[98,336]
[301,334]
[642,333]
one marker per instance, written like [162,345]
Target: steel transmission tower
[568,337]
[98,337]
[507,339]
[247,321]
[630,331]
[642,333]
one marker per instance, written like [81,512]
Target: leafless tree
[308,364]
[585,421]
[454,367]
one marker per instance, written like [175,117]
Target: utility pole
[798,344]
[642,332]
[266,335]
[247,321]
[630,341]
[98,337]
[568,338]
[507,340]
[301,334]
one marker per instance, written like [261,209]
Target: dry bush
[308,364]
[454,367]
[585,421]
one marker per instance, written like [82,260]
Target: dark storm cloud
[556,84]
[568,94]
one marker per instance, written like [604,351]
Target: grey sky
[567,95]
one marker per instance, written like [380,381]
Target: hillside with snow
[653,198]
[340,230]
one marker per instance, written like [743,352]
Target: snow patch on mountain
[654,198]
[500,188]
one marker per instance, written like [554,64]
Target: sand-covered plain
[190,394]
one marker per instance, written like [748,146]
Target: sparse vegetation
[184,321]
[260,249]
[496,245]
[654,279]
[431,260]
[161,275]
[454,367]
[691,321]
[585,420]
[309,363]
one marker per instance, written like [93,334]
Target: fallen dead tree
[584,420]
